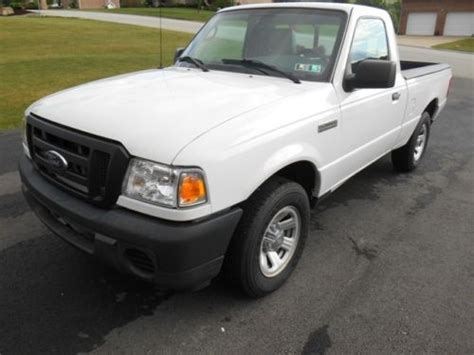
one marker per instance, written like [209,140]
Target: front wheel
[409,156]
[270,238]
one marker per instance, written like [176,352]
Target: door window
[370,42]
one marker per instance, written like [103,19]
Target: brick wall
[442,7]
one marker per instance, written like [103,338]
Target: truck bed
[412,69]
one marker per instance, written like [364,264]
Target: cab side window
[370,42]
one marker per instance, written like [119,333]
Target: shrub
[194,5]
[220,4]
[32,5]
[393,8]
[17,5]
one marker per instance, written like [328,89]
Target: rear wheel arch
[432,108]
[405,158]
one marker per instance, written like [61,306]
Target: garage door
[421,23]
[459,24]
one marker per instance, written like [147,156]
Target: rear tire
[408,157]
[270,237]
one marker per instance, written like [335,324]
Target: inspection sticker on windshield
[311,68]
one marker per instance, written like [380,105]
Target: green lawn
[40,55]
[465,45]
[179,13]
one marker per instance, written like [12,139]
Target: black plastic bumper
[175,255]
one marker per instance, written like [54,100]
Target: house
[89,4]
[243,2]
[437,17]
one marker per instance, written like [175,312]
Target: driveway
[425,41]
[145,21]
[388,268]
[461,63]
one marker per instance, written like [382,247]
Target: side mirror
[372,74]
[178,53]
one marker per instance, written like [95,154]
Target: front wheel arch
[303,172]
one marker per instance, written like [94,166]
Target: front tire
[270,237]
[408,157]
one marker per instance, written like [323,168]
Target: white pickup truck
[212,164]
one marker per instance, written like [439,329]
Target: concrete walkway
[425,41]
[146,21]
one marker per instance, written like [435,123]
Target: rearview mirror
[178,53]
[372,74]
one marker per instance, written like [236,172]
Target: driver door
[371,118]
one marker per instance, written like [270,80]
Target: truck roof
[315,5]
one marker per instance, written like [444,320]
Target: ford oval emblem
[55,160]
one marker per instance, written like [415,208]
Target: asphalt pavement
[388,268]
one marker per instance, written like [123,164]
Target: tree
[376,3]
[393,8]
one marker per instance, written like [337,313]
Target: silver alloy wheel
[420,142]
[280,241]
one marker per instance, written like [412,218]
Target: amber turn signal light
[192,189]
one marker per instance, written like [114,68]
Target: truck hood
[155,113]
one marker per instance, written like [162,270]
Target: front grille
[94,168]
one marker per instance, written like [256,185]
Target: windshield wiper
[251,63]
[197,62]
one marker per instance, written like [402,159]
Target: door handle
[396,96]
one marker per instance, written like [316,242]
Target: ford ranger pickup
[211,165]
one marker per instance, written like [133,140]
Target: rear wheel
[270,238]
[409,156]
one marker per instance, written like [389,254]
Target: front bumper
[175,255]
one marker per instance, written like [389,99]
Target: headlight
[162,185]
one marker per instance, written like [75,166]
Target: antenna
[161,36]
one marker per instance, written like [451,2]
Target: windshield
[301,42]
